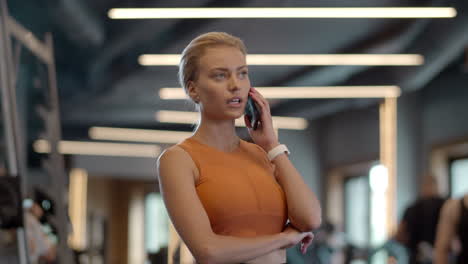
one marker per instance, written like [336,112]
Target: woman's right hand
[294,236]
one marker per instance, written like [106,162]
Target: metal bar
[388,141]
[9,116]
[17,127]
[6,106]
[465,66]
[57,161]
[17,120]
[28,39]
[16,62]
[22,245]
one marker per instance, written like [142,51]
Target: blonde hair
[189,61]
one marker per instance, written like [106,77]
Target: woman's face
[223,82]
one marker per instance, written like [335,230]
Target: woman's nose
[233,83]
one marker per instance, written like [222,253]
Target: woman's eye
[243,74]
[219,76]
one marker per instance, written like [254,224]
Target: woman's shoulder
[174,162]
[451,209]
[174,154]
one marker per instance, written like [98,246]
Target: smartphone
[252,113]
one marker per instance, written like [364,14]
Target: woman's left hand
[265,135]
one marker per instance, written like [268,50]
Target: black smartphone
[252,113]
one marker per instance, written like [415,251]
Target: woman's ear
[192,91]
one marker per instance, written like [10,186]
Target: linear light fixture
[302,59]
[272,12]
[140,135]
[100,149]
[376,91]
[181,117]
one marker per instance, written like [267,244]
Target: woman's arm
[177,185]
[304,210]
[446,231]
[303,206]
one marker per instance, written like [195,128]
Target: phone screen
[252,113]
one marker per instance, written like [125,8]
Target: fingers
[264,108]
[261,97]
[304,238]
[306,242]
[247,122]
[305,246]
[260,100]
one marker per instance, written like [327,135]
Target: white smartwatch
[280,149]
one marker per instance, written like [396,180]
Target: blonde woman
[230,200]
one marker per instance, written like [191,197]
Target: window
[156,223]
[378,182]
[458,177]
[365,212]
[357,210]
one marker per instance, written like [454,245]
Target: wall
[118,167]
[351,136]
[427,118]
[101,203]
[409,149]
[305,154]
[445,108]
[110,198]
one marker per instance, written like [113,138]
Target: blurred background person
[417,229]
[329,244]
[41,248]
[452,233]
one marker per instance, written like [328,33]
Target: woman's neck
[221,135]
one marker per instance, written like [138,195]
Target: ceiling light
[99,148]
[181,117]
[299,12]
[140,135]
[302,59]
[307,92]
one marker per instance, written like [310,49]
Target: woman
[453,224]
[227,200]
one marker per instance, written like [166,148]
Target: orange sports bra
[238,189]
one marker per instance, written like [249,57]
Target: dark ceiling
[101,83]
